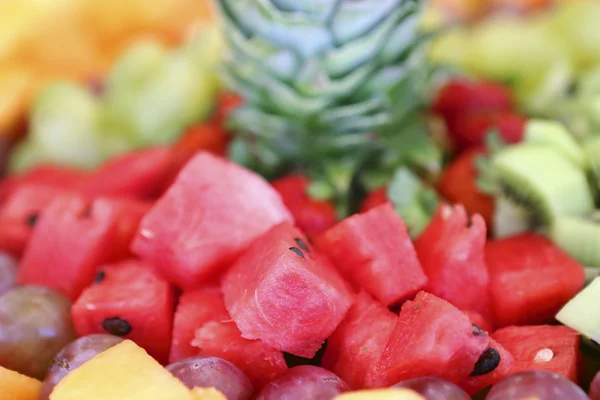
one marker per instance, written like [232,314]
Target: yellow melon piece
[207,394]
[14,386]
[123,372]
[381,394]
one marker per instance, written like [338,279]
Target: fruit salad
[254,216]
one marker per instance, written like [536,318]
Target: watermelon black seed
[469,221]
[32,220]
[488,361]
[302,244]
[477,331]
[99,277]
[297,251]
[116,326]
[86,212]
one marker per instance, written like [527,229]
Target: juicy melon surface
[431,338]
[531,279]
[355,347]
[525,342]
[375,253]
[210,214]
[506,367]
[451,252]
[279,293]
[130,291]
[14,386]
[203,327]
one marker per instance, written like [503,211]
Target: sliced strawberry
[458,185]
[376,198]
[470,129]
[462,96]
[312,216]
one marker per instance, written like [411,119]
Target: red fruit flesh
[470,130]
[452,255]
[475,384]
[279,293]
[131,292]
[530,279]
[212,212]
[354,349]
[458,184]
[543,347]
[374,199]
[431,338]
[374,252]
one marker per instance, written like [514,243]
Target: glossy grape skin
[304,382]
[8,272]
[539,385]
[213,372]
[73,356]
[434,389]
[35,323]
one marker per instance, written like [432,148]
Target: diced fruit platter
[253,216]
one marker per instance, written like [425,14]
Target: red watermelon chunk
[204,328]
[127,299]
[451,251]
[139,175]
[478,320]
[475,384]
[354,349]
[279,293]
[375,253]
[70,241]
[431,338]
[212,212]
[531,279]
[553,348]
[14,236]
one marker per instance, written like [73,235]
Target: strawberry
[376,198]
[458,185]
[468,130]
[312,216]
[458,97]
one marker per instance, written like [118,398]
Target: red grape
[434,389]
[595,388]
[213,372]
[304,382]
[35,323]
[8,272]
[539,385]
[73,356]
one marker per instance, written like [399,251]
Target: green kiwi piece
[511,218]
[579,237]
[541,180]
[591,149]
[555,135]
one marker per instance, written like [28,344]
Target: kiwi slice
[591,150]
[511,218]
[579,237]
[541,180]
[555,135]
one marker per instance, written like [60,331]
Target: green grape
[64,125]
[206,46]
[452,48]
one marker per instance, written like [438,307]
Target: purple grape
[35,323]
[73,356]
[434,389]
[304,382]
[213,372]
[539,385]
[8,272]
[595,387]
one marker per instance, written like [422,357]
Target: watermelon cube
[451,251]
[355,347]
[553,348]
[14,236]
[375,253]
[139,175]
[531,279]
[279,293]
[212,212]
[128,299]
[431,338]
[70,241]
[475,384]
[203,327]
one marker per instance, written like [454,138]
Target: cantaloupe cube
[380,394]
[123,372]
[207,394]
[14,386]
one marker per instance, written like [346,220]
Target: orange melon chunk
[123,372]
[14,386]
